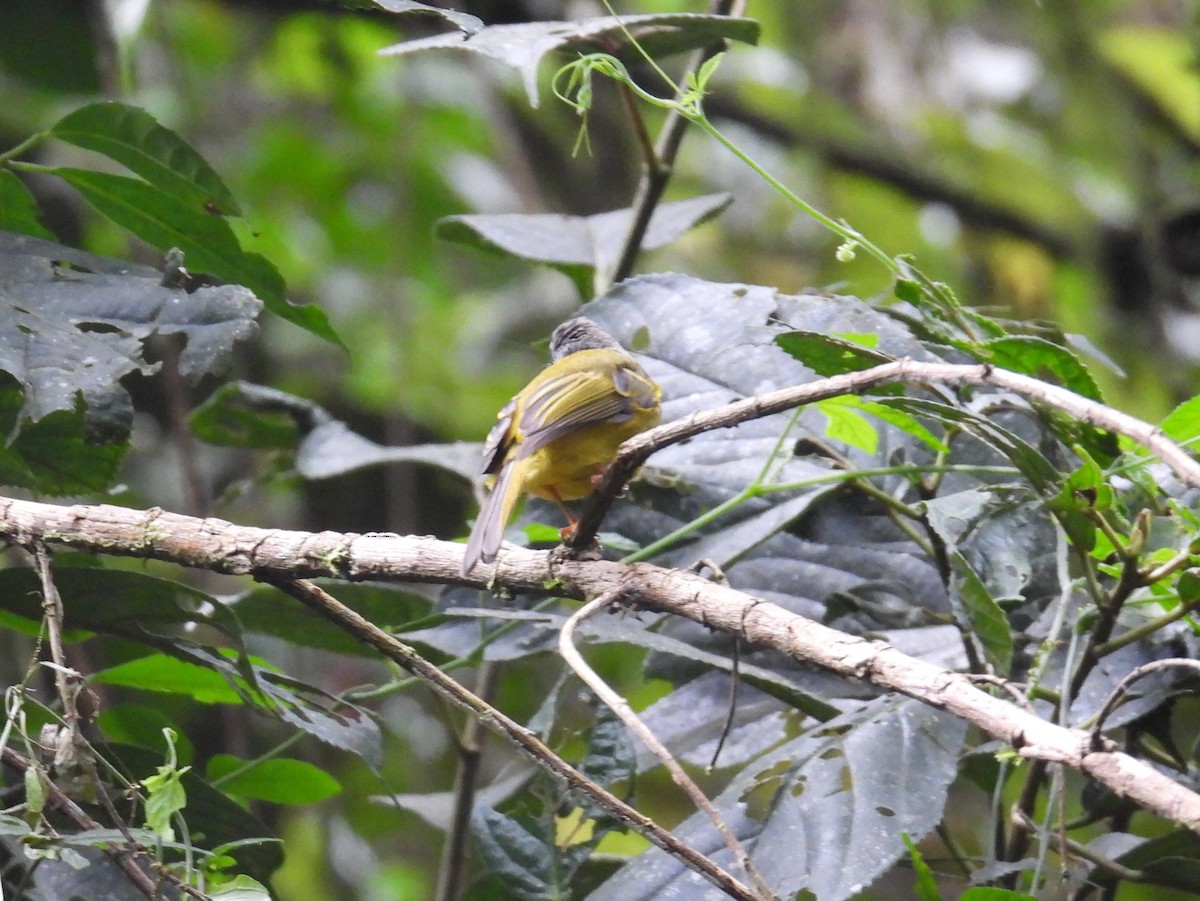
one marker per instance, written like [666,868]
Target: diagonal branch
[622,708]
[633,453]
[320,601]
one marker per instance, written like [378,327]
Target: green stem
[11,155]
[838,228]
[1145,630]
[755,490]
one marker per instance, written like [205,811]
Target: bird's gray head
[579,334]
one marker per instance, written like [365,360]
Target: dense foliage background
[1038,158]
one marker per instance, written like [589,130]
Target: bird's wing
[570,402]
[499,439]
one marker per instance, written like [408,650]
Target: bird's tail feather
[496,510]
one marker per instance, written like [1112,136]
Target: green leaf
[926,888]
[846,423]
[163,673]
[986,619]
[35,790]
[18,209]
[208,243]
[224,419]
[60,456]
[240,888]
[1183,423]
[828,355]
[994,894]
[1040,358]
[278,781]
[135,724]
[132,137]
[1162,63]
[898,418]
[165,794]
[1085,490]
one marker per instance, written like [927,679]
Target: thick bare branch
[274,554]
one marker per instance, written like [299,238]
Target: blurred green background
[1040,158]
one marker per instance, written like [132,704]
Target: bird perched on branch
[559,434]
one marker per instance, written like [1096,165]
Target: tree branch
[320,601]
[633,453]
[275,555]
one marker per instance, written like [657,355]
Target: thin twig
[52,613]
[452,870]
[633,722]
[659,165]
[319,600]
[1083,852]
[59,800]
[1137,673]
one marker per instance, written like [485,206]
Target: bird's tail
[494,514]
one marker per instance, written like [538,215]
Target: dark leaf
[586,248]
[73,324]
[208,243]
[125,603]
[826,812]
[462,21]
[515,850]
[522,46]
[246,415]
[267,611]
[984,616]
[610,757]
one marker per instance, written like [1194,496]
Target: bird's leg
[568,532]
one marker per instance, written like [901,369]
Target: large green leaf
[279,780]
[136,140]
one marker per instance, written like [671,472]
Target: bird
[558,435]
